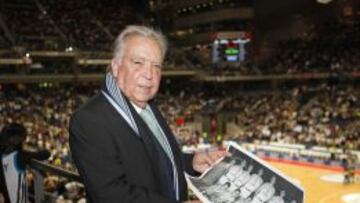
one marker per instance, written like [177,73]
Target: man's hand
[204,160]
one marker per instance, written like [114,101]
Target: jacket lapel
[170,137]
[144,133]
[150,146]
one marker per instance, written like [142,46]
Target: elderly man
[120,142]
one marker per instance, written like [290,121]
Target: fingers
[204,160]
[221,154]
[212,156]
[209,158]
[215,155]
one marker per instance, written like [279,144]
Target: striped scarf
[117,100]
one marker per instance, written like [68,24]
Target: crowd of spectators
[31,27]
[319,115]
[322,115]
[4,42]
[313,116]
[326,48]
[204,7]
[50,25]
[92,26]
[78,24]
[45,113]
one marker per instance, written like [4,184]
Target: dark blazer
[115,163]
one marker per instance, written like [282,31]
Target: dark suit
[116,164]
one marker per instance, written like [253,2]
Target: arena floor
[321,185]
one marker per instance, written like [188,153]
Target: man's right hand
[204,160]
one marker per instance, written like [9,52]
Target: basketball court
[321,185]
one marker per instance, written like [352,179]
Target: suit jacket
[115,163]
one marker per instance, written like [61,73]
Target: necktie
[150,120]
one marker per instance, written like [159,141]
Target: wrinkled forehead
[143,47]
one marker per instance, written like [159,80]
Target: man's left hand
[204,160]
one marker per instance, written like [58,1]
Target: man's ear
[114,67]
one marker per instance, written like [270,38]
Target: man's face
[138,73]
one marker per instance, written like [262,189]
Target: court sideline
[318,190]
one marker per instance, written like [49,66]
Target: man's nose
[148,72]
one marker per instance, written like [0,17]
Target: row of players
[241,184]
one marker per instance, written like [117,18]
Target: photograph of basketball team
[241,177]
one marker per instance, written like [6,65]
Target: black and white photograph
[242,177]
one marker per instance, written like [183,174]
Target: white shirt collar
[137,108]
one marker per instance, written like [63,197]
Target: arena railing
[40,169]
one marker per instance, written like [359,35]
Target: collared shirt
[137,108]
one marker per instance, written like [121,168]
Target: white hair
[138,30]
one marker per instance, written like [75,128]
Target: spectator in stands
[13,162]
[120,142]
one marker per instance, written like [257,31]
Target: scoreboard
[229,50]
